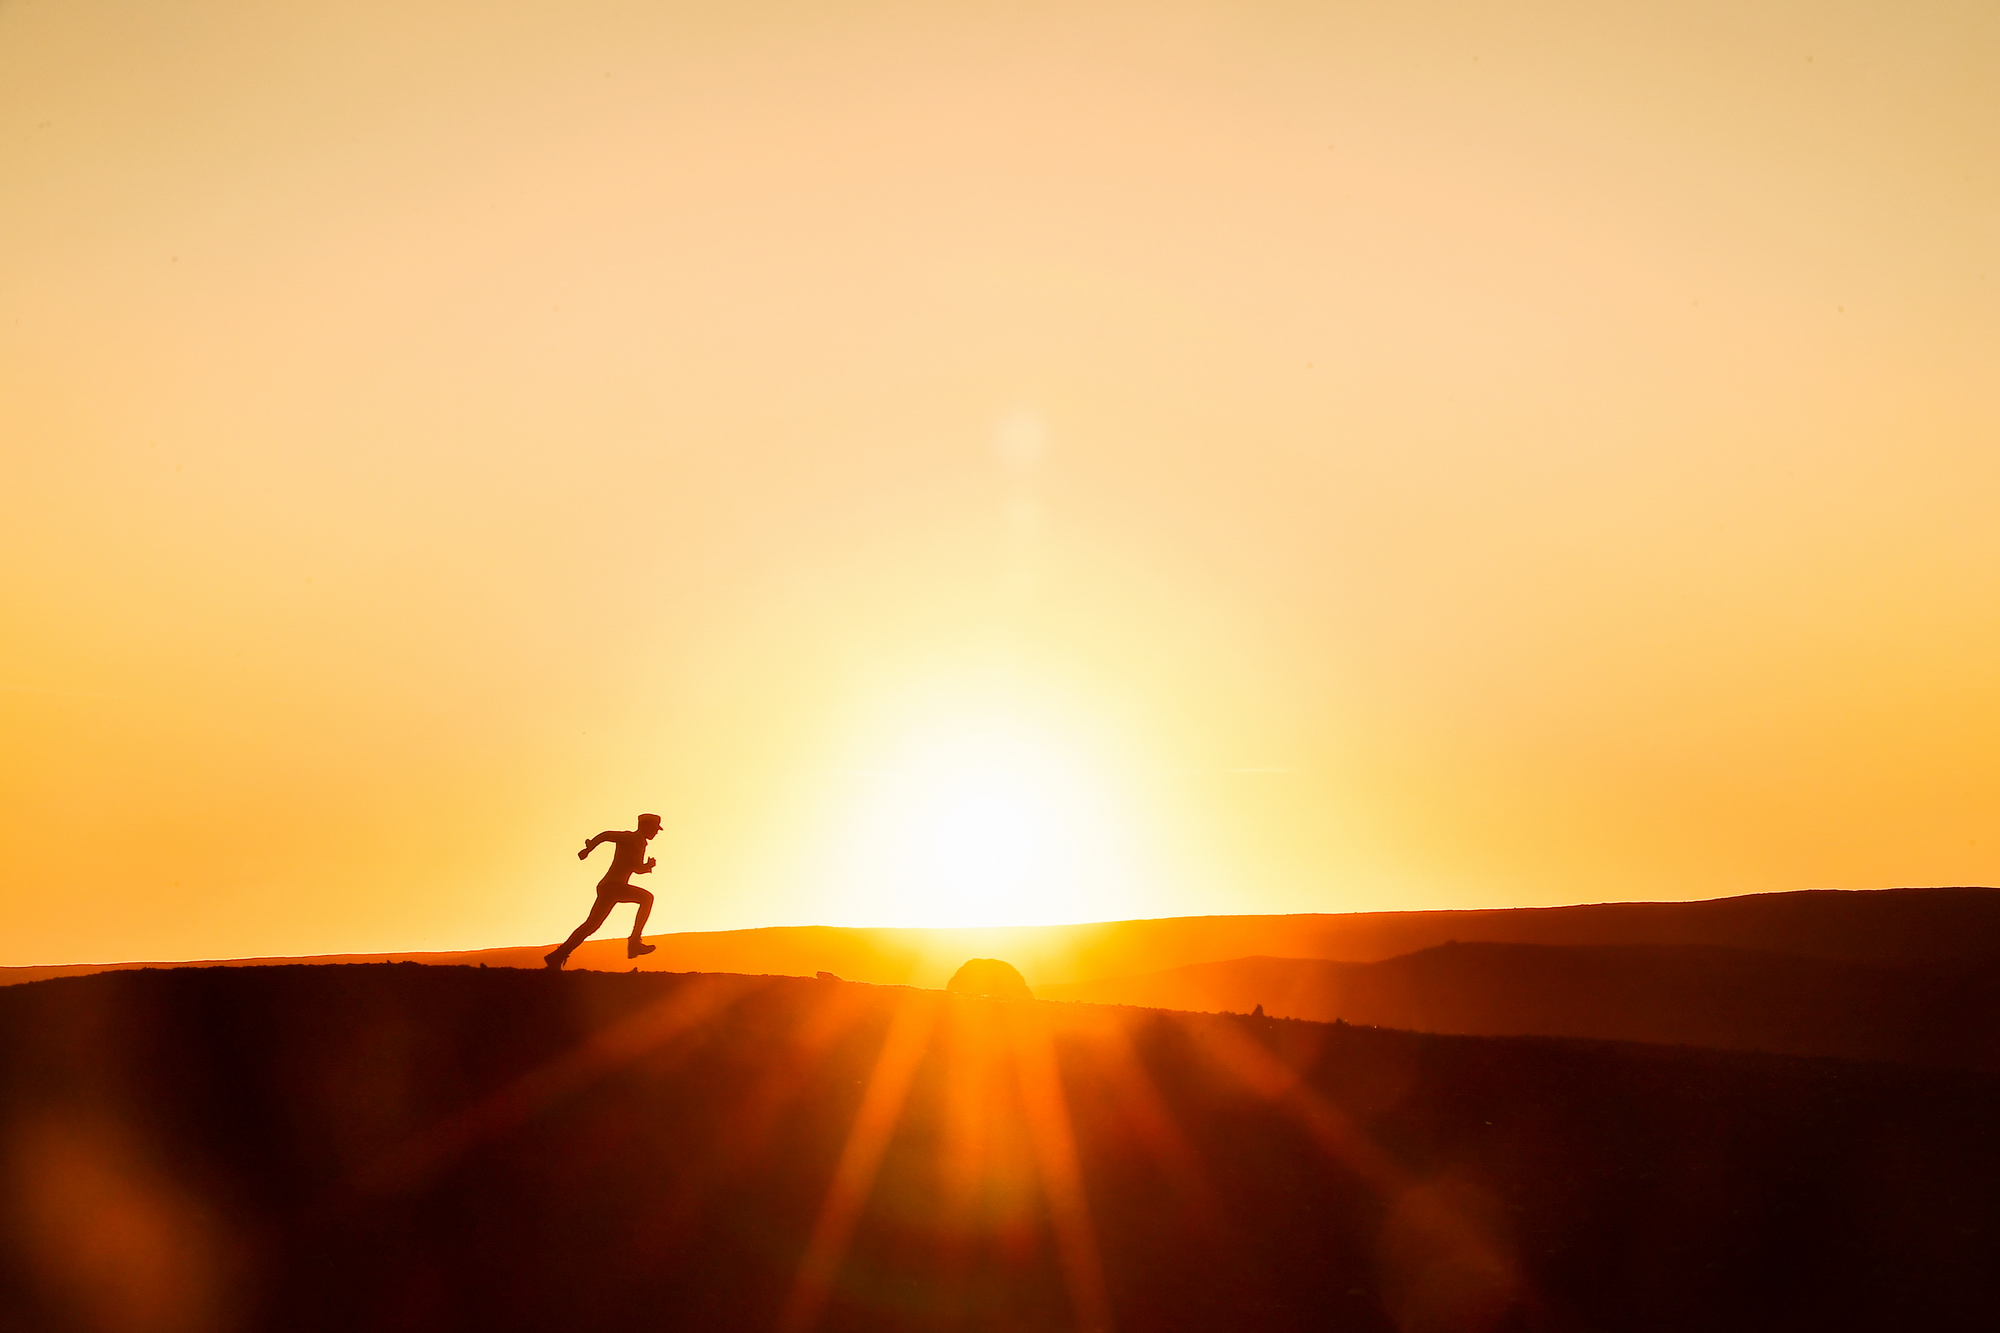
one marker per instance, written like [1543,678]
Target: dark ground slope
[385,1147]
[1938,1013]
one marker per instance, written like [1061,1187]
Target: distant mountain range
[1940,1012]
[1911,975]
[1887,926]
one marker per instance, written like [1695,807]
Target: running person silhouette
[616,887]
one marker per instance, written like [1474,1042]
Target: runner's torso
[628,853]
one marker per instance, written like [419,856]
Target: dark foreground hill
[1881,926]
[1938,1013]
[401,1147]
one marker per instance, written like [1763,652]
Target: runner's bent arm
[591,846]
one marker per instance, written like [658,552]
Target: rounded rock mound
[991,979]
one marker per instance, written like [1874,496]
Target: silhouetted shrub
[991,978]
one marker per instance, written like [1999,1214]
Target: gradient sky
[986,461]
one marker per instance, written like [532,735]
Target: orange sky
[986,461]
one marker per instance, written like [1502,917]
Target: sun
[986,818]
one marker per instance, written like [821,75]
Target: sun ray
[792,1061]
[788,1070]
[421,1158]
[1435,1242]
[966,1153]
[1145,1117]
[1054,1144]
[861,1155]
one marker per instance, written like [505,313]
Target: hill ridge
[1938,1012]
[1902,924]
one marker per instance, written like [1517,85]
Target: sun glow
[986,820]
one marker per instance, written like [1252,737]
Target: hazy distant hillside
[1945,1013]
[441,1149]
[1887,926]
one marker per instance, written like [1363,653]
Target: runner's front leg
[636,946]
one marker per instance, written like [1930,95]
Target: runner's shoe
[633,948]
[553,961]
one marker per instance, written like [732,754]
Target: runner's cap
[649,819]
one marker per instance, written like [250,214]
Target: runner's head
[649,824]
